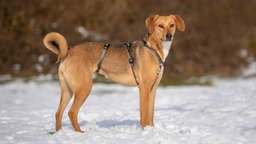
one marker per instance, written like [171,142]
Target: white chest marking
[167,47]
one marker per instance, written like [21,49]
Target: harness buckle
[131,60]
[128,45]
[106,46]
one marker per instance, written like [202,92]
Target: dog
[141,65]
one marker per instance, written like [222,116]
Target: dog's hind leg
[66,95]
[81,92]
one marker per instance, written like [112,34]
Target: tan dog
[78,63]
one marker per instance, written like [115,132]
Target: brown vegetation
[216,32]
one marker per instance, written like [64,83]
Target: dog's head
[164,26]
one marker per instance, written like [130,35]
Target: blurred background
[220,36]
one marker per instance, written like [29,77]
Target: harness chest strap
[161,62]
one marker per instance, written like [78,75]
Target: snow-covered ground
[224,113]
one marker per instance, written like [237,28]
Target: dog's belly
[122,78]
[125,80]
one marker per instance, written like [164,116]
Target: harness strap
[105,48]
[131,60]
[161,62]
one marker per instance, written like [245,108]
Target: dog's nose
[168,36]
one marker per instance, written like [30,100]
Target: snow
[224,113]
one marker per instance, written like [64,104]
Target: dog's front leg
[144,104]
[152,100]
[147,102]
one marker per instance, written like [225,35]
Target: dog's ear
[179,22]
[150,23]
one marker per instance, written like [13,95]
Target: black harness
[128,45]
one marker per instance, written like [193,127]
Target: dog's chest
[167,47]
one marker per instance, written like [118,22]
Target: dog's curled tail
[56,43]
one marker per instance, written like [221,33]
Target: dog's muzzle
[169,37]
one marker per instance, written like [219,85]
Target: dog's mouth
[167,39]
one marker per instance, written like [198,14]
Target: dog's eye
[161,26]
[172,25]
